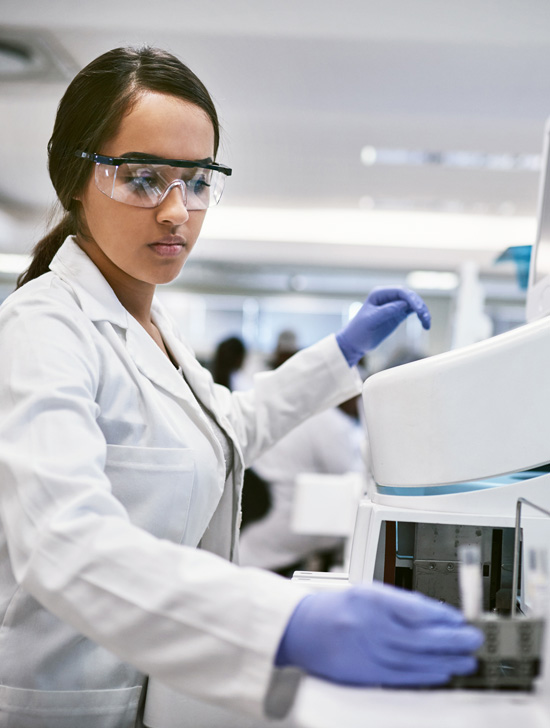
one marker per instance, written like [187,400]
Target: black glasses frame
[117,161]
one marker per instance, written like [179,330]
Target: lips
[170,240]
[169,245]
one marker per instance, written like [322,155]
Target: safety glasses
[145,181]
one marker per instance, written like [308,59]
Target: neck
[136,299]
[136,296]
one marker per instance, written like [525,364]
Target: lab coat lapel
[156,366]
[193,372]
[221,536]
[199,383]
[153,363]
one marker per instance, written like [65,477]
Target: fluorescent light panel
[460,159]
[369,227]
[431,280]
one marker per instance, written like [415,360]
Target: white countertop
[321,704]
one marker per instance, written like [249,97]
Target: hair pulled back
[89,114]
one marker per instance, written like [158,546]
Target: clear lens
[146,185]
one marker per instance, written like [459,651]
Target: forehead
[163,126]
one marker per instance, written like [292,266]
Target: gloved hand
[382,312]
[378,635]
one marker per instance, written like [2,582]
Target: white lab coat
[110,477]
[330,442]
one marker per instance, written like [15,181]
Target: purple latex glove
[382,312]
[378,635]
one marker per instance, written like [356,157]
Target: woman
[121,462]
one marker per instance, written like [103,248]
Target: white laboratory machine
[469,432]
[455,441]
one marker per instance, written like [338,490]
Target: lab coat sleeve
[309,382]
[189,618]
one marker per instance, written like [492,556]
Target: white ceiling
[301,87]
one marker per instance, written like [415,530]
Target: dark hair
[89,114]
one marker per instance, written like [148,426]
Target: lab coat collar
[96,297]
[99,302]
[194,381]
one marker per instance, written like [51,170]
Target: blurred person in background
[228,362]
[286,346]
[257,495]
[328,443]
[226,368]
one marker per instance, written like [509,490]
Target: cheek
[103,216]
[92,209]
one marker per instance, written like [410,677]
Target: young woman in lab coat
[121,462]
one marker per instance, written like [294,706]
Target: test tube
[469,581]
[536,582]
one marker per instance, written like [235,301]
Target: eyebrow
[142,155]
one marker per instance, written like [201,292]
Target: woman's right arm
[172,611]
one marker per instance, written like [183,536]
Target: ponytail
[44,251]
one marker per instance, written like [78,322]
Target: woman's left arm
[318,377]
[311,381]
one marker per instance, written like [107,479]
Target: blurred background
[373,142]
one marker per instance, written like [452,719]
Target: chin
[167,276]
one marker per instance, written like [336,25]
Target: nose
[172,210]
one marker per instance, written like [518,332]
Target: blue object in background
[521,256]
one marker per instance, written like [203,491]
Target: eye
[142,178]
[199,184]
[139,180]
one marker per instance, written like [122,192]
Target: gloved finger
[410,608]
[435,674]
[437,640]
[394,311]
[387,294]
[419,307]
[401,659]
[380,296]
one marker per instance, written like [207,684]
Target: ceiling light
[429,280]
[458,159]
[28,55]
[437,230]
[14,59]
[368,155]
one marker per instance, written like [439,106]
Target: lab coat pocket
[21,708]
[155,485]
